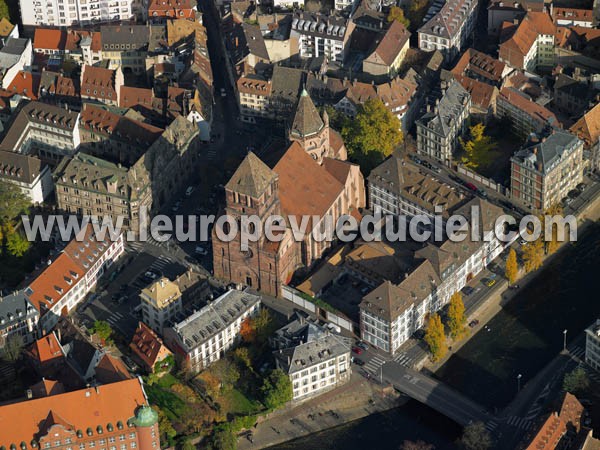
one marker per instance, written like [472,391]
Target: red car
[471,186]
[357,350]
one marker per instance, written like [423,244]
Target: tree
[243,356]
[248,331]
[187,445]
[416,11]
[476,437]
[277,389]
[553,243]
[533,255]
[226,372]
[373,134]
[512,266]
[223,438]
[4,10]
[103,330]
[397,13]
[12,201]
[13,346]
[211,383]
[576,381]
[263,325]
[435,337]
[416,445]
[456,315]
[165,428]
[478,148]
[17,244]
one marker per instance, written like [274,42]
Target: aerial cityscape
[287,225]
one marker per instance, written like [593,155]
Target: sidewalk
[356,399]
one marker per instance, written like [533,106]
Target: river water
[523,338]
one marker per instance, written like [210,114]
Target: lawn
[236,403]
[160,395]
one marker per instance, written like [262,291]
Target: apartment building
[501,11]
[87,185]
[15,56]
[532,43]
[161,302]
[68,279]
[543,173]
[316,366]
[62,13]
[397,187]
[592,345]
[29,173]
[392,312]
[100,85]
[482,67]
[322,35]
[107,416]
[439,129]
[526,116]
[588,130]
[254,98]
[126,47]
[46,131]
[449,29]
[206,335]
[18,317]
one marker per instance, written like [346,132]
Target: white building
[61,13]
[317,366]
[206,335]
[592,345]
[68,279]
[391,313]
[29,173]
[18,316]
[14,57]
[319,34]
[448,28]
[161,302]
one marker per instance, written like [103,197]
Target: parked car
[176,206]
[189,191]
[473,323]
[150,275]
[482,193]
[456,179]
[223,93]
[467,290]
[471,186]
[581,186]
[357,350]
[362,345]
[489,282]
[201,250]
[359,362]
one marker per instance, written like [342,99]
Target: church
[312,177]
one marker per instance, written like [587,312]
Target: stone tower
[310,130]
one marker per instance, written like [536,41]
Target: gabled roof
[46,388]
[252,177]
[254,41]
[307,120]
[47,348]
[147,345]
[111,369]
[386,301]
[305,187]
[393,41]
[480,64]
[549,434]
[482,94]
[526,33]
[86,408]
[19,167]
[588,126]
[49,39]
[453,101]
[25,84]
[571,411]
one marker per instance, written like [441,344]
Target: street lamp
[519,382]
[565,339]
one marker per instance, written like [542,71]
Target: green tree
[476,437]
[103,330]
[12,201]
[223,438]
[416,11]
[397,13]
[17,244]
[242,354]
[456,315]
[13,346]
[576,381]
[373,134]
[263,324]
[435,337]
[511,270]
[533,255]
[478,148]
[165,427]
[277,389]
[187,445]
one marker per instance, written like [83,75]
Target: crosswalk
[404,359]
[211,154]
[374,364]
[520,422]
[7,371]
[134,246]
[114,318]
[578,352]
[491,425]
[160,263]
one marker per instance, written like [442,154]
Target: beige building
[544,173]
[87,185]
[125,46]
[389,52]
[161,302]
[253,97]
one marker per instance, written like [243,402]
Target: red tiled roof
[394,39]
[588,126]
[111,370]
[249,85]
[549,434]
[77,410]
[531,108]
[571,411]
[49,39]
[98,83]
[305,187]
[132,96]
[148,346]
[482,94]
[46,388]
[517,46]
[481,64]
[47,348]
[25,84]
[74,37]
[176,9]
[575,14]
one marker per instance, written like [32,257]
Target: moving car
[489,282]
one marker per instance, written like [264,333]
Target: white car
[151,275]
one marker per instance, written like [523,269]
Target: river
[523,338]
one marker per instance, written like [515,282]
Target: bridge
[434,394]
